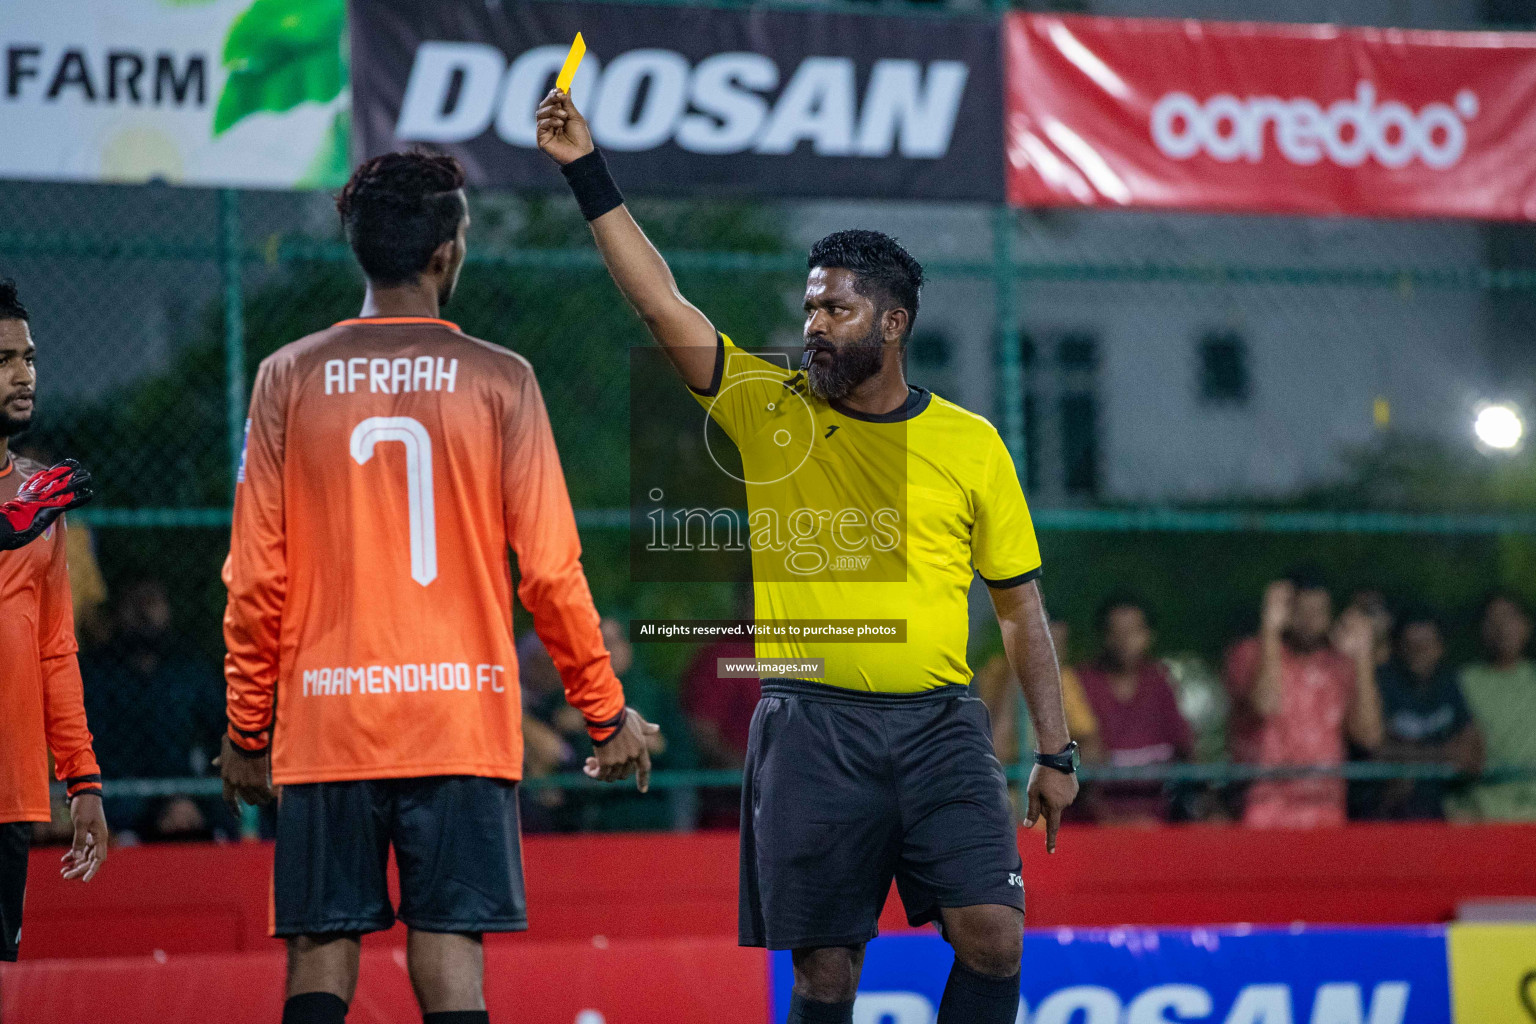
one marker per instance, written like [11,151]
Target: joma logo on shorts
[1016,879]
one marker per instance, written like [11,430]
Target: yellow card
[572,62]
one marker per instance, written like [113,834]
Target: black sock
[315,1008]
[808,1011]
[457,1017]
[972,998]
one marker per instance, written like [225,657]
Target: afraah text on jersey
[390,376]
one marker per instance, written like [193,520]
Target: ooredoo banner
[692,100]
[1308,119]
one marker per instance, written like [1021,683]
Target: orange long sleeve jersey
[42,707]
[390,463]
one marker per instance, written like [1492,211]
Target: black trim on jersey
[917,400]
[1011,581]
[616,723]
[251,754]
[714,378]
[89,782]
[251,734]
[609,723]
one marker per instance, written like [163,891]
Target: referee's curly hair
[884,270]
[397,209]
[10,303]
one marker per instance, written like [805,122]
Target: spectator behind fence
[1296,698]
[157,711]
[1501,694]
[1425,720]
[1372,604]
[999,689]
[625,810]
[1138,714]
[552,734]
[719,712]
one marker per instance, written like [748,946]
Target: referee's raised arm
[633,262]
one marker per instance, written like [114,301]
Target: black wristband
[250,754]
[594,187]
[616,723]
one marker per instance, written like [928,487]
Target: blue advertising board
[1225,975]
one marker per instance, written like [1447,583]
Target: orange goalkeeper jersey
[41,704]
[389,465]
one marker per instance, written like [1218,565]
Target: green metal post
[234,323]
[234,375]
[1010,365]
[1010,406]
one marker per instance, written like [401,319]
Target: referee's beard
[846,366]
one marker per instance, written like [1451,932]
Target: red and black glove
[41,500]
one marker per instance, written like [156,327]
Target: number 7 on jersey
[418,481]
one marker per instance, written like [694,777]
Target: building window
[1031,415]
[1078,353]
[930,350]
[1077,360]
[1224,376]
[1061,415]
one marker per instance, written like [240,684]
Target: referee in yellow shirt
[867,497]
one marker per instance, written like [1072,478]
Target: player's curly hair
[397,209]
[884,269]
[10,305]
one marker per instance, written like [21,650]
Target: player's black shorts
[457,845]
[15,841]
[844,790]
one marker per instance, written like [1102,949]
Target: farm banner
[197,92]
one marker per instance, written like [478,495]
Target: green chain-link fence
[1131,364]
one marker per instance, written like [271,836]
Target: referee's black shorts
[845,790]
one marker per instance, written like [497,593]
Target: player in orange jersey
[41,705]
[390,462]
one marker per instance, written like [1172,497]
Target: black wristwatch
[1065,762]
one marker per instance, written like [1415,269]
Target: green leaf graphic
[333,163]
[281,53]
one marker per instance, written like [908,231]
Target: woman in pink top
[1139,719]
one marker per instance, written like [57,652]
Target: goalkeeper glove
[41,500]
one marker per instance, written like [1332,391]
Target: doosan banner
[690,101]
[1216,975]
[1309,119]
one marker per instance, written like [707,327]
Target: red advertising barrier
[659,981]
[1308,119]
[201,899]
